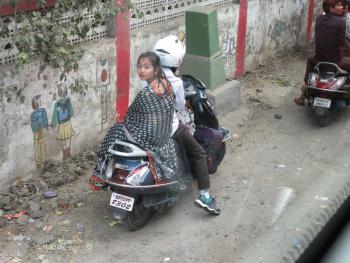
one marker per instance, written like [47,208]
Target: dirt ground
[280,176]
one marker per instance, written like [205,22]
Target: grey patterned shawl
[149,121]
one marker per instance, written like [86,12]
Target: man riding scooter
[330,31]
[171,51]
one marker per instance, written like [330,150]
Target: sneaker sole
[211,211]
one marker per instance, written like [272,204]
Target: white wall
[273,26]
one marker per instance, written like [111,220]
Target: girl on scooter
[147,122]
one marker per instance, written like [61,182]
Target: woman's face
[337,9]
[146,70]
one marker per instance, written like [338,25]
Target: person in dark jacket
[330,29]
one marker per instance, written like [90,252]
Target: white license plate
[122,201]
[322,102]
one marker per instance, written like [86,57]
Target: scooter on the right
[328,89]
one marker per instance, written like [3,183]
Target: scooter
[136,194]
[328,88]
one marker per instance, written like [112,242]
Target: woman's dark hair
[327,4]
[153,58]
[155,61]
[346,3]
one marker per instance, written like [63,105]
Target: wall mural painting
[102,82]
[39,125]
[227,45]
[61,116]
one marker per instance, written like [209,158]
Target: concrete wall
[17,149]
[273,26]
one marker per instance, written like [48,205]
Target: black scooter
[135,193]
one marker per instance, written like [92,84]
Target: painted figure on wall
[39,124]
[62,113]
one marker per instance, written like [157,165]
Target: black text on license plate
[322,102]
[122,201]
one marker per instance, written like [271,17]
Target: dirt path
[277,178]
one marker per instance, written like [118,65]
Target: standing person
[39,124]
[330,31]
[171,51]
[147,121]
[62,114]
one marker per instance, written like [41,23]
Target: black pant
[196,155]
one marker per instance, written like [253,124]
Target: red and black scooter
[328,88]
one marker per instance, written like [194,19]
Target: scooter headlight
[137,175]
[338,84]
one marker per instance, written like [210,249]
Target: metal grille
[149,12]
[8,50]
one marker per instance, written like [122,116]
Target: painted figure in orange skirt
[62,113]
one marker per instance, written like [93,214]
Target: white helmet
[171,50]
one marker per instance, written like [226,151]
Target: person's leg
[196,155]
[345,63]
[198,160]
[310,64]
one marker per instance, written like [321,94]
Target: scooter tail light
[137,175]
[121,174]
[337,84]
[325,84]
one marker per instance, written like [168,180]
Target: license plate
[322,102]
[122,201]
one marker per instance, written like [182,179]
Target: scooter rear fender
[145,189]
[334,94]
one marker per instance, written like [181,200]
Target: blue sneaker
[208,204]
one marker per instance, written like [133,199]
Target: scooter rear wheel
[139,216]
[322,116]
[323,121]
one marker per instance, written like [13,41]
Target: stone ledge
[226,97]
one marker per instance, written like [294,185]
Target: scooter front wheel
[139,216]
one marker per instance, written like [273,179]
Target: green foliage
[79,86]
[48,32]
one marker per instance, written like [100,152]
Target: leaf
[62,50]
[44,33]
[113,223]
[22,56]
[282,82]
[59,212]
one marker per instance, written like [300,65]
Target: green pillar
[203,58]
